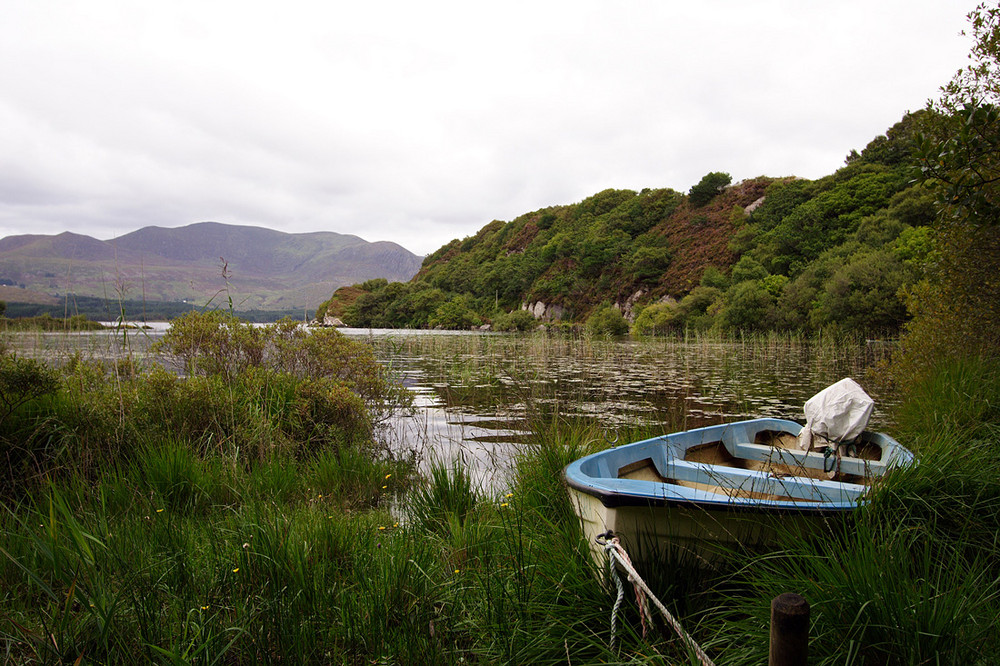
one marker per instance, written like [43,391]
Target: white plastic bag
[838,413]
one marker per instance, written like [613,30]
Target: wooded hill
[762,254]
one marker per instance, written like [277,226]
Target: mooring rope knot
[616,553]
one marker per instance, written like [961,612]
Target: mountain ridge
[261,268]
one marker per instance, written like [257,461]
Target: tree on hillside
[960,153]
[956,308]
[895,147]
[710,186]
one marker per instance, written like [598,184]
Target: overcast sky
[419,122]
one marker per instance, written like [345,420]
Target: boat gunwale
[652,493]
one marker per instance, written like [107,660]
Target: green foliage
[23,380]
[177,479]
[965,164]
[863,295]
[546,219]
[447,497]
[326,411]
[959,153]
[251,393]
[657,319]
[456,313]
[747,268]
[915,246]
[699,308]
[46,322]
[749,306]
[565,255]
[607,320]
[810,218]
[214,343]
[713,277]
[648,263]
[955,307]
[517,320]
[958,393]
[894,148]
[602,203]
[709,187]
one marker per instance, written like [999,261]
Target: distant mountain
[264,268]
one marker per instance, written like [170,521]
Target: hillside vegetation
[763,254]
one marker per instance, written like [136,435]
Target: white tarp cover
[839,413]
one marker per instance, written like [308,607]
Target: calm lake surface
[476,393]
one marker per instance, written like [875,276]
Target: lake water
[475,393]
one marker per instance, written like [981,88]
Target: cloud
[420,122]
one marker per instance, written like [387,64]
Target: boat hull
[660,495]
[691,530]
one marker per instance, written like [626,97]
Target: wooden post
[789,630]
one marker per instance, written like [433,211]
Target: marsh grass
[146,531]
[147,567]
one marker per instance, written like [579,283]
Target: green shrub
[327,412]
[710,186]
[657,319]
[518,320]
[607,320]
[455,314]
[216,344]
[21,381]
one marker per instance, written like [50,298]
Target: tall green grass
[176,560]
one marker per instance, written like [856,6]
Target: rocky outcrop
[754,206]
[544,312]
[328,322]
[628,307]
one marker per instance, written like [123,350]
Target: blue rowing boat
[725,484]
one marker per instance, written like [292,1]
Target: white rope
[617,553]
[618,601]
